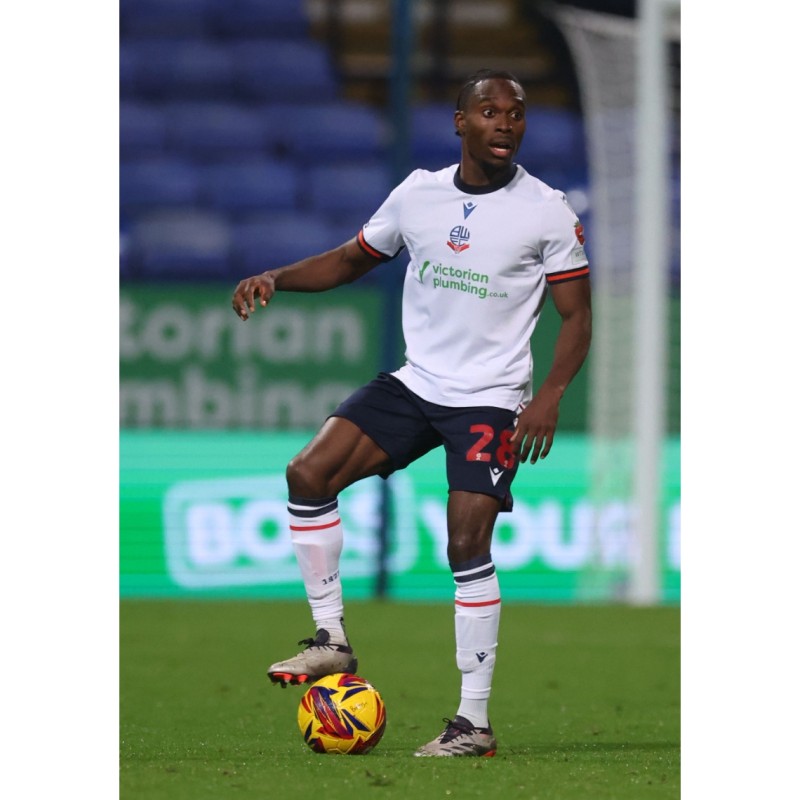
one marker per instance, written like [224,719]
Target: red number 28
[504,453]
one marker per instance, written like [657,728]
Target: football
[343,714]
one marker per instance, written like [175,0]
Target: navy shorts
[476,438]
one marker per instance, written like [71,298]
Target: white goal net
[628,72]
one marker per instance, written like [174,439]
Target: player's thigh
[394,418]
[339,454]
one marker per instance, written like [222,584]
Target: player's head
[467,91]
[490,117]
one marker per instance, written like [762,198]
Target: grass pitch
[585,705]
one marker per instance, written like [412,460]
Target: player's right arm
[318,273]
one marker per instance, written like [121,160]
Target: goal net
[634,151]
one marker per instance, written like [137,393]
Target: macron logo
[481,656]
[495,474]
[469,208]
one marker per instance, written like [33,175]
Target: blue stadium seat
[165,17]
[262,18]
[434,144]
[348,190]
[156,183]
[142,130]
[348,225]
[249,185]
[272,240]
[181,244]
[125,266]
[564,179]
[554,139]
[127,72]
[167,69]
[325,132]
[206,131]
[284,70]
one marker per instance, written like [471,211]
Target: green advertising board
[187,361]
[204,514]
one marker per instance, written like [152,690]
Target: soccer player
[486,242]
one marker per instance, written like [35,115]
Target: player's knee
[304,480]
[464,546]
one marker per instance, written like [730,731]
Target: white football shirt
[480,262]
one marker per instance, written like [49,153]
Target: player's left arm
[536,424]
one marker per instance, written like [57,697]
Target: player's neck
[472,177]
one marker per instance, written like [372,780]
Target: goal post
[628,88]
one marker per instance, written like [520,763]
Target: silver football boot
[461,738]
[320,658]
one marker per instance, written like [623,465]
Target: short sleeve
[563,254]
[381,236]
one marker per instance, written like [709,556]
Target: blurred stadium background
[256,132]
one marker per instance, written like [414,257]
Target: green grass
[585,704]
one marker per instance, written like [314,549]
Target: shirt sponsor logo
[446,276]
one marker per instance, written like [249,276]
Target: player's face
[493,123]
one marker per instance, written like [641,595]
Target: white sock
[477,620]
[317,538]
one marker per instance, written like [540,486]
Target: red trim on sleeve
[367,248]
[569,275]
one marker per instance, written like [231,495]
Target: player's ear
[458,119]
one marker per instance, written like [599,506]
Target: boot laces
[455,728]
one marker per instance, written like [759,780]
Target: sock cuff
[306,507]
[475,569]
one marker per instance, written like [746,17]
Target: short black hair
[468,89]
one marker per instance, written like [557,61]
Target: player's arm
[536,425]
[318,273]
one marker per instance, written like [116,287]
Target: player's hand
[244,298]
[536,427]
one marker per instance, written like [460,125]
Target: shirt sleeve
[563,254]
[382,236]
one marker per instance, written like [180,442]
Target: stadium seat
[272,240]
[283,70]
[566,180]
[206,131]
[181,244]
[127,72]
[260,18]
[164,18]
[125,267]
[167,69]
[142,130]
[554,139]
[156,183]
[348,225]
[326,132]
[434,144]
[250,185]
[348,190]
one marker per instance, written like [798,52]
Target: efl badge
[579,233]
